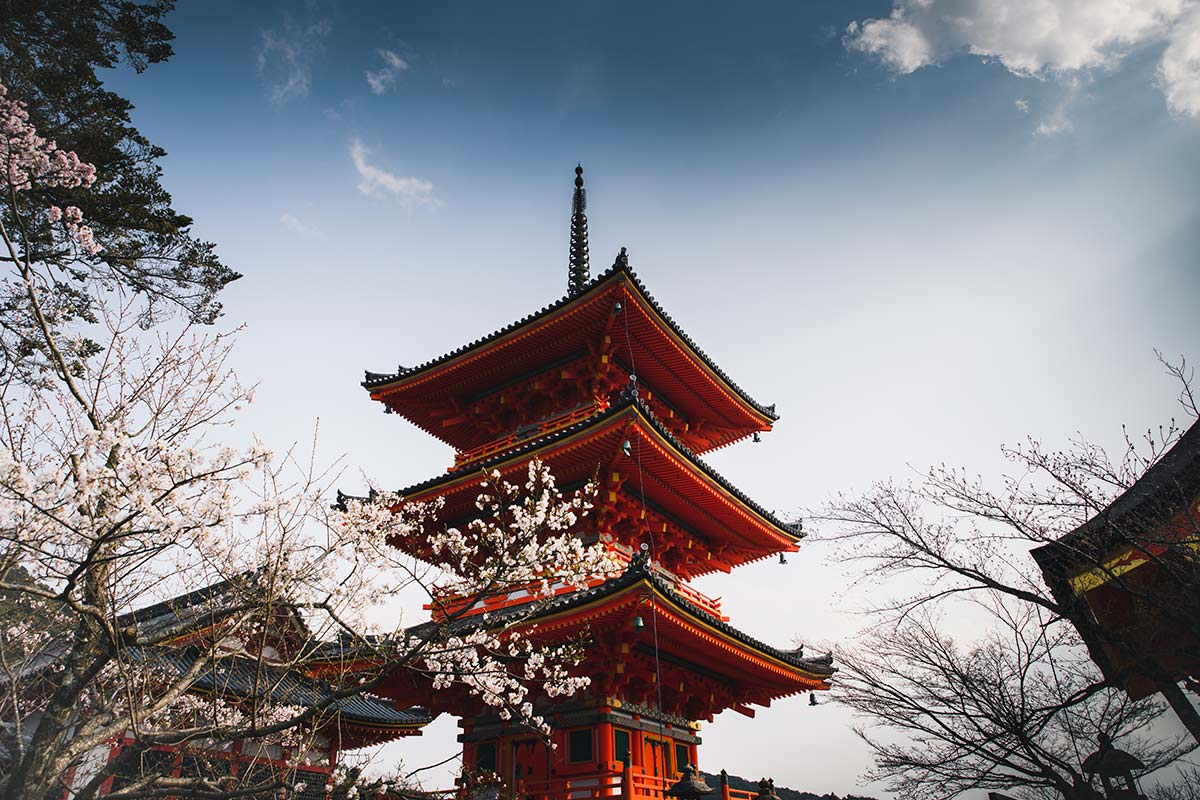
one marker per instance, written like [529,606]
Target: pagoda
[604,386]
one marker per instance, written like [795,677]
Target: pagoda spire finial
[579,273]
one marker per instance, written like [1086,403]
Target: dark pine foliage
[50,51]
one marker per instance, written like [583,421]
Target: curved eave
[719,632]
[383,386]
[634,586]
[380,732]
[537,446]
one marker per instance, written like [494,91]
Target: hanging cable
[651,556]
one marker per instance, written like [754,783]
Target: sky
[922,230]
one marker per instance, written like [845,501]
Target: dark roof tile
[377,379]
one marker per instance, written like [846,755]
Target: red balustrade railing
[630,784]
[447,604]
[539,428]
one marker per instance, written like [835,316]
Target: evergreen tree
[50,51]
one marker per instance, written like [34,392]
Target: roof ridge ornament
[622,259]
[579,272]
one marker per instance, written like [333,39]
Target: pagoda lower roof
[671,478]
[561,610]
[643,336]
[687,636]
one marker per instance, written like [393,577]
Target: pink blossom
[30,159]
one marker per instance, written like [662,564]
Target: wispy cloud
[296,226]
[1059,120]
[1057,123]
[1036,38]
[377,182]
[1022,105]
[385,78]
[285,56]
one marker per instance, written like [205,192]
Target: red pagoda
[603,385]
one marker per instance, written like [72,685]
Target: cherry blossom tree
[115,492]
[971,676]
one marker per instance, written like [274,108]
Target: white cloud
[1057,123]
[1036,38]
[377,182]
[296,226]
[385,78]
[1179,71]
[900,44]
[285,57]
[1022,105]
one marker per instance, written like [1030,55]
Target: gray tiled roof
[1166,488]
[245,677]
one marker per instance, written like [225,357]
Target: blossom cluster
[525,539]
[30,159]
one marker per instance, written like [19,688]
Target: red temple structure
[1129,577]
[263,659]
[604,385]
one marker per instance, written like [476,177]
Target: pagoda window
[623,746]
[580,746]
[682,756]
[485,756]
[314,785]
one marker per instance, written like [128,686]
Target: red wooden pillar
[627,781]
[604,745]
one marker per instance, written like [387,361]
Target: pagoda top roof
[754,415]
[536,443]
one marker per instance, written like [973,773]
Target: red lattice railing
[539,428]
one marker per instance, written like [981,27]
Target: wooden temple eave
[678,366]
[1179,537]
[674,480]
[704,634]
[581,323]
[706,666]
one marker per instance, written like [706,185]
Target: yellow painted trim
[1115,567]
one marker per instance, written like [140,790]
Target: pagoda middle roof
[671,362]
[758,531]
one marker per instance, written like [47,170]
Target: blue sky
[920,238]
